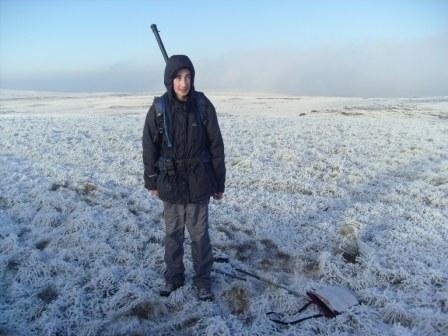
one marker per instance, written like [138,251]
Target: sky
[318,48]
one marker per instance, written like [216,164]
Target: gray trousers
[195,217]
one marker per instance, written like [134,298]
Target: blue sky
[359,48]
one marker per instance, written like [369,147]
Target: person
[183,156]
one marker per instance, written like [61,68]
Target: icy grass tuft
[217,327]
[397,314]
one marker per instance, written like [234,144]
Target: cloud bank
[381,69]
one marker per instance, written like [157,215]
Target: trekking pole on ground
[229,274]
[270,282]
[226,260]
[159,41]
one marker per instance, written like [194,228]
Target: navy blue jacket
[197,167]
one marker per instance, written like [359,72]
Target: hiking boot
[168,289]
[205,294]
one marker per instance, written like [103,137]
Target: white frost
[320,191]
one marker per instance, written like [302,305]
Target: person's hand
[155,193]
[218,196]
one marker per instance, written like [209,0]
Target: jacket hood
[173,65]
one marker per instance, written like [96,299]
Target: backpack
[163,119]
[330,300]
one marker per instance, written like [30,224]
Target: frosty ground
[320,191]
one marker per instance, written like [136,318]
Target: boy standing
[183,156]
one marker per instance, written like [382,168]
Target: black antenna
[159,41]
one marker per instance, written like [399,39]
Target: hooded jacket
[197,155]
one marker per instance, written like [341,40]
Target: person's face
[182,84]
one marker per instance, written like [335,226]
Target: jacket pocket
[171,187]
[199,182]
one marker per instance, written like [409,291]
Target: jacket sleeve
[216,147]
[151,149]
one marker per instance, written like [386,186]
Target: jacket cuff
[220,188]
[150,182]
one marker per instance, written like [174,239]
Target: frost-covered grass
[320,190]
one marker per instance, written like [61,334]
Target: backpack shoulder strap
[162,118]
[202,106]
[159,105]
